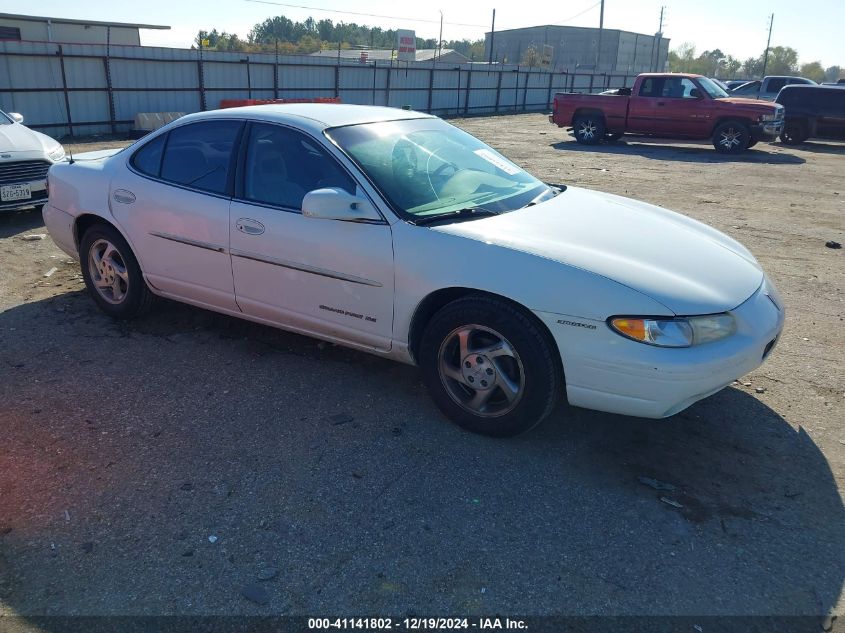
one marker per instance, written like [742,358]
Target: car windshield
[426,168]
[713,89]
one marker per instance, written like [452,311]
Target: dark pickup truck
[670,105]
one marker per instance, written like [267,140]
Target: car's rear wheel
[489,367]
[731,137]
[794,133]
[589,129]
[112,274]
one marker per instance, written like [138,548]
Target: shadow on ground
[17,222]
[129,447]
[659,149]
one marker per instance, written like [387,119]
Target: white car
[398,234]
[25,157]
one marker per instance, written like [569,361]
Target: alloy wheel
[481,371]
[108,271]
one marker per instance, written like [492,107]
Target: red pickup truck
[670,105]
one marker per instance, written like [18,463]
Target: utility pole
[601,31]
[768,43]
[492,33]
[440,38]
[658,38]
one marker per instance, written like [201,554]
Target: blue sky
[738,27]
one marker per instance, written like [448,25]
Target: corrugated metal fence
[81,89]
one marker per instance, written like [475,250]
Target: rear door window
[147,160]
[199,155]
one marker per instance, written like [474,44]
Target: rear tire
[794,133]
[731,137]
[489,366]
[112,274]
[589,129]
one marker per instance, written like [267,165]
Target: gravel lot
[327,479]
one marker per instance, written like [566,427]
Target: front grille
[23,171]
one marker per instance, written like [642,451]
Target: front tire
[489,366]
[112,274]
[588,129]
[794,133]
[731,137]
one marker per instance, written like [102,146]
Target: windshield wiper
[451,216]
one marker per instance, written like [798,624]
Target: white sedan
[25,157]
[398,234]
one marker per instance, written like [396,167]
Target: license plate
[9,193]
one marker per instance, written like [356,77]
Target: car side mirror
[16,117]
[695,93]
[334,203]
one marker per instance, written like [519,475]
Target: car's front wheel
[489,366]
[112,274]
[731,137]
[794,133]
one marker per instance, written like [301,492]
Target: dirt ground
[127,446]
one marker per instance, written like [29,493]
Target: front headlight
[57,153]
[777,116]
[678,332]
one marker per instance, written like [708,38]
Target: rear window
[147,160]
[199,155]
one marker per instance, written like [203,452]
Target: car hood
[19,138]
[763,107]
[687,266]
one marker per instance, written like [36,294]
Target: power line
[368,15]
[578,15]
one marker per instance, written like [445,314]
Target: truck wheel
[794,133]
[589,129]
[731,137]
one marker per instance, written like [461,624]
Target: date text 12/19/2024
[414,624]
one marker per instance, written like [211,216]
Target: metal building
[576,48]
[445,55]
[35,28]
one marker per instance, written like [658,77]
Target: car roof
[313,115]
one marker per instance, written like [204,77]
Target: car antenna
[70,153]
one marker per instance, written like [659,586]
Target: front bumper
[607,372]
[767,131]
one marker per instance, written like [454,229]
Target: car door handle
[249,226]
[661,103]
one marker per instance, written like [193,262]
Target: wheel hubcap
[730,138]
[481,371]
[587,129]
[108,271]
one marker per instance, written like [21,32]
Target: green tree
[813,70]
[783,60]
[752,67]
[833,73]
